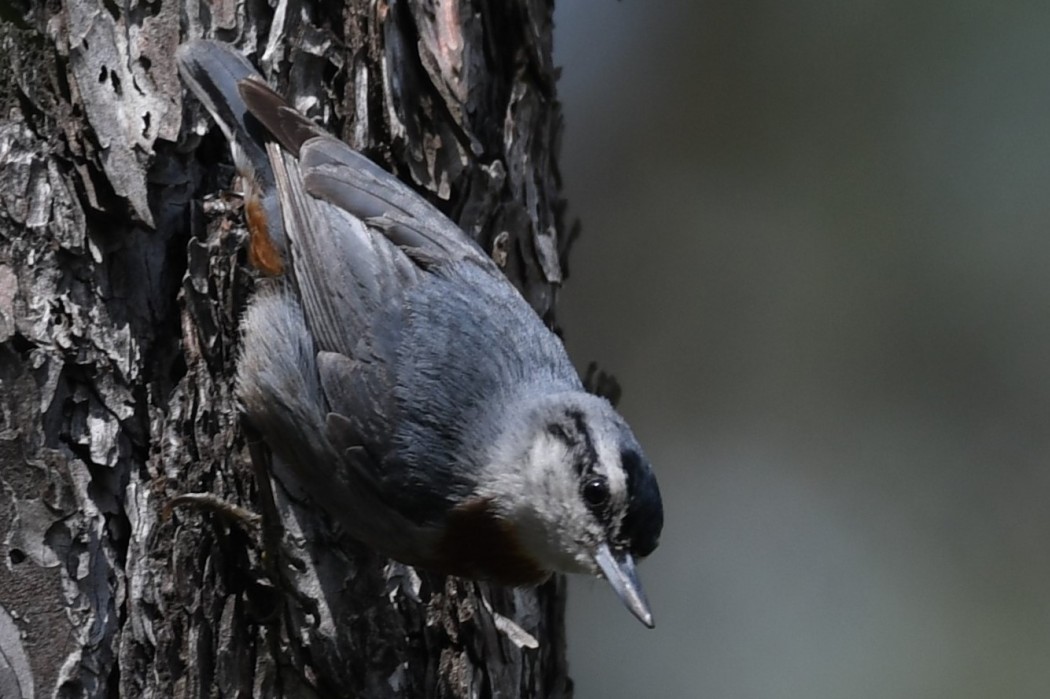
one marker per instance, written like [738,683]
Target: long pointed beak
[618,569]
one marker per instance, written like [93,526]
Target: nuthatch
[407,385]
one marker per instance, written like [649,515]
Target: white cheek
[539,493]
[548,466]
[513,480]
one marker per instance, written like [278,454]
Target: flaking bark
[122,279]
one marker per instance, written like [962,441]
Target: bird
[409,388]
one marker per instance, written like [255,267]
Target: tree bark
[122,280]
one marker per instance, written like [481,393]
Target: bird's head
[571,478]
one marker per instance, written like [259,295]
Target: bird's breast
[478,543]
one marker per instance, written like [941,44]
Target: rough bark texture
[122,278]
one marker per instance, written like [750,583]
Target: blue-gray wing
[344,272]
[343,177]
[426,392]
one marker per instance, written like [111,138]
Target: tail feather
[249,112]
[214,73]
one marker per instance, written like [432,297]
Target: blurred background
[816,242]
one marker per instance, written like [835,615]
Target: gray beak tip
[619,570]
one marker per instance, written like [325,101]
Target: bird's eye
[596,491]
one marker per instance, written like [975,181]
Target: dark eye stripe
[558,431]
[576,436]
[588,455]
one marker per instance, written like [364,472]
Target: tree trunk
[122,279]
